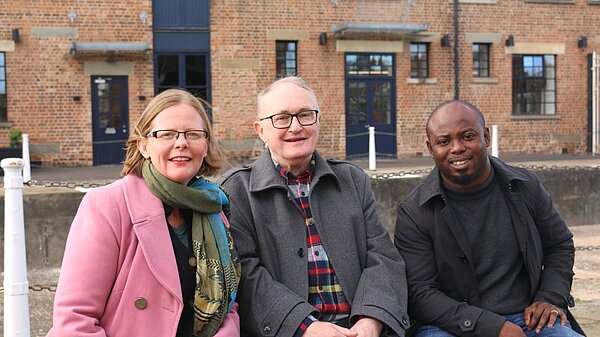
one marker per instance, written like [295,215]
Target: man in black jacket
[486,252]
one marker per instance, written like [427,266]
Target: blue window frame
[187,71]
[3,98]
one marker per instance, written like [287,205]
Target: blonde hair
[214,159]
[296,80]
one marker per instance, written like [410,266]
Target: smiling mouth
[294,140]
[180,159]
[459,164]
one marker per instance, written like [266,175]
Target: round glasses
[172,135]
[284,120]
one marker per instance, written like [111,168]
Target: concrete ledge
[49,211]
[575,192]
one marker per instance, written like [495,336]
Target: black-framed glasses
[284,120]
[172,135]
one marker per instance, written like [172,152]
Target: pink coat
[119,276]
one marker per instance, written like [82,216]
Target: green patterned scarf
[218,267]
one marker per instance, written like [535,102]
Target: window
[481,60]
[369,65]
[534,84]
[3,99]
[419,60]
[285,58]
[188,71]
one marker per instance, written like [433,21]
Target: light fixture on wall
[510,41]
[144,17]
[582,42]
[72,15]
[445,40]
[76,98]
[15,35]
[323,38]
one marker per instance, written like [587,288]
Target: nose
[457,146]
[181,140]
[295,124]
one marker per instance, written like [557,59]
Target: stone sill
[429,80]
[535,117]
[485,80]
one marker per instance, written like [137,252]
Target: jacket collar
[505,173]
[264,175]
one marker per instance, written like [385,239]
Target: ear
[142,147]
[259,131]
[429,147]
[486,136]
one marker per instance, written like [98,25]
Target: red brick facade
[43,77]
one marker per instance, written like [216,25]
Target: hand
[326,329]
[539,313]
[510,329]
[367,327]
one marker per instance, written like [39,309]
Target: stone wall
[48,216]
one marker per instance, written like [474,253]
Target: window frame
[420,64]
[282,58]
[521,104]
[477,70]
[3,96]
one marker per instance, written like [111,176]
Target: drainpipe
[456,65]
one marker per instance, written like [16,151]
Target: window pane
[195,70]
[2,87]
[3,114]
[381,103]
[358,103]
[168,70]
[2,60]
[285,58]
[534,84]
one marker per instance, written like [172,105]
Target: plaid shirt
[324,290]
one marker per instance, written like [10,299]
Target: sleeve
[88,269]
[427,303]
[382,288]
[557,247]
[267,307]
[231,324]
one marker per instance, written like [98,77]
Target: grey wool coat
[269,233]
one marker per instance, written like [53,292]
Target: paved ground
[586,285]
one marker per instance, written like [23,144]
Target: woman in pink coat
[151,254]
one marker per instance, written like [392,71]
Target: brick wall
[43,77]
[239,31]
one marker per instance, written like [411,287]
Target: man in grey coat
[316,260]
[486,252]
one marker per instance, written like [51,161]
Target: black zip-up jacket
[443,289]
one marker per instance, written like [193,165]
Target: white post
[16,287]
[495,141]
[372,155]
[26,161]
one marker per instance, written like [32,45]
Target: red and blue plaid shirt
[324,290]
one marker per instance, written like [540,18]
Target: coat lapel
[148,219]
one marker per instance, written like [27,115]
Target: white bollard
[372,153]
[26,161]
[16,286]
[495,141]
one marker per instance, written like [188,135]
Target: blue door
[110,119]
[370,101]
